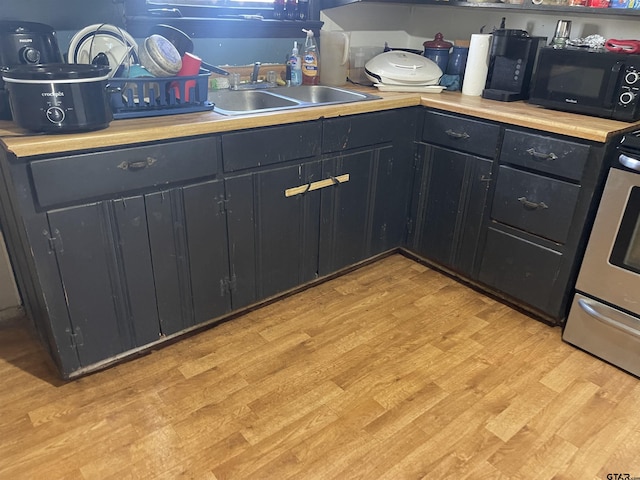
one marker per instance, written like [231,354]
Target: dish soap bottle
[310,60]
[296,66]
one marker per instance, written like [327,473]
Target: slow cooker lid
[56,72]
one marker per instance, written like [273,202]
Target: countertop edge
[151,129]
[523,114]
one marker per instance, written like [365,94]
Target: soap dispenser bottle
[310,60]
[296,66]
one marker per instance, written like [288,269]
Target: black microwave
[591,82]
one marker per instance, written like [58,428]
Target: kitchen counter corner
[530,116]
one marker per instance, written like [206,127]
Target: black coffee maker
[24,43]
[511,61]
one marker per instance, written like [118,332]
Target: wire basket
[154,96]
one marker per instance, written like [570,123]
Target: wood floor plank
[384,454]
[270,448]
[393,370]
[549,459]
[520,411]
[465,456]
[284,413]
[509,458]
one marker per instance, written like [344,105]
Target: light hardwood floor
[393,371]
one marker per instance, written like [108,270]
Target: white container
[334,51]
[358,57]
[403,68]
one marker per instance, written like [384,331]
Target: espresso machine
[512,58]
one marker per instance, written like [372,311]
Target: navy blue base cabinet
[119,249]
[506,208]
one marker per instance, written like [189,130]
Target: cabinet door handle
[139,165]
[308,187]
[532,205]
[542,156]
[457,135]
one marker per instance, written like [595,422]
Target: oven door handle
[587,307]
[629,162]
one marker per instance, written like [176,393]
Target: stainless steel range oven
[605,314]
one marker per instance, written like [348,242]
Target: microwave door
[578,84]
[578,81]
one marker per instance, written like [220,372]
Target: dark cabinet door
[187,238]
[273,233]
[140,267]
[346,211]
[206,229]
[105,266]
[528,271]
[451,206]
[391,198]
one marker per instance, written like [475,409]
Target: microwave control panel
[627,106]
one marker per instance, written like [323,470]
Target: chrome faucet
[256,71]
[253,83]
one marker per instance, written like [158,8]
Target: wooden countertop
[532,116]
[149,129]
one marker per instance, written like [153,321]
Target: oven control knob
[30,55]
[626,98]
[632,77]
[55,114]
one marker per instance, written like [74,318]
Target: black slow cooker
[59,97]
[25,43]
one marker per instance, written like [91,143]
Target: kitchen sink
[243,102]
[234,102]
[323,95]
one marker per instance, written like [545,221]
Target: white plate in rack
[113,41]
[409,88]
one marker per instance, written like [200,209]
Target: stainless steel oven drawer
[609,334]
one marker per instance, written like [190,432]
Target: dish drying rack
[154,96]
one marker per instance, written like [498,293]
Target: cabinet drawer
[522,269]
[471,136]
[355,131]
[266,146]
[545,154]
[68,179]
[539,205]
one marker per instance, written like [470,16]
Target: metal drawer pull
[139,165]
[456,135]
[532,205]
[308,187]
[606,320]
[541,156]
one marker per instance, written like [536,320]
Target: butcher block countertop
[149,129]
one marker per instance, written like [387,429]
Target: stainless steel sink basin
[230,102]
[323,95]
[243,102]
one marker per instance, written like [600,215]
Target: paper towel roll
[475,73]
